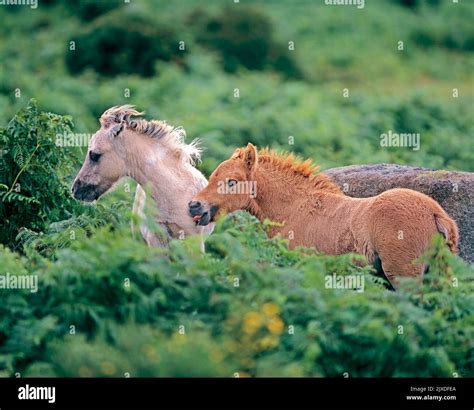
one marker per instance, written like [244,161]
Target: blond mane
[166,135]
[295,166]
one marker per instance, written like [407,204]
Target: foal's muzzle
[201,215]
[84,192]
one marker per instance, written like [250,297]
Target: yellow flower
[149,352]
[252,322]
[268,342]
[216,356]
[108,368]
[270,309]
[231,346]
[275,325]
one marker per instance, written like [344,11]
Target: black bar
[244,393]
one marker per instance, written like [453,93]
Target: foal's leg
[400,234]
[156,239]
[394,269]
[398,250]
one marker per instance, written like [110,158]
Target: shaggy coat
[393,228]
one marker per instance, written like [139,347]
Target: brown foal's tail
[449,229]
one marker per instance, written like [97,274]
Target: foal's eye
[231,183]
[94,156]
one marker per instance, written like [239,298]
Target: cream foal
[154,154]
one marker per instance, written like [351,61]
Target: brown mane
[295,166]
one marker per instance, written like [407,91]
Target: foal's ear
[250,156]
[116,130]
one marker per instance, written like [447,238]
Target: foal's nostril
[76,185]
[194,205]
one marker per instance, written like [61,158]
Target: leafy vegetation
[243,37]
[122,43]
[87,9]
[107,305]
[34,192]
[407,90]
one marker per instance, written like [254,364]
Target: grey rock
[454,191]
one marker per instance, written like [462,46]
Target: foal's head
[232,186]
[104,164]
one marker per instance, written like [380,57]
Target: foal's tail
[449,229]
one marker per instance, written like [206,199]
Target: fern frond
[19,155]
[10,197]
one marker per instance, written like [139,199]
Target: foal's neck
[173,180]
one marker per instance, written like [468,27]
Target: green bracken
[322,81]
